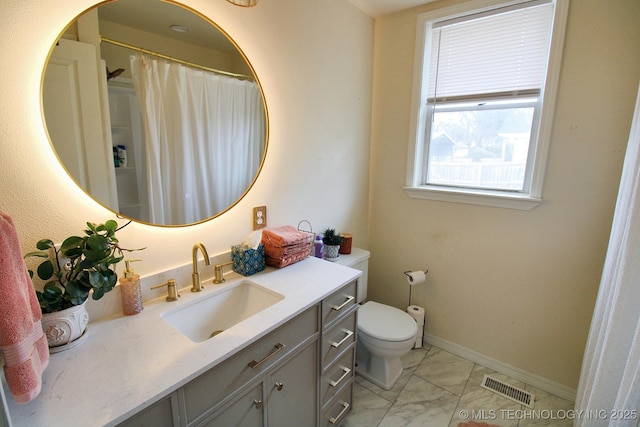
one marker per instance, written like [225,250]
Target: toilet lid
[385,322]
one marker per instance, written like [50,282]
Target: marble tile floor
[440,389]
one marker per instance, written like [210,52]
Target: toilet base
[382,372]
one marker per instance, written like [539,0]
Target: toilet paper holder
[409,276]
[408,272]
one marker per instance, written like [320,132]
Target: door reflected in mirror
[155,112]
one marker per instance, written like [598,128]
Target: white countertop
[129,362]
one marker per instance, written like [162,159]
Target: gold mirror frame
[248,65]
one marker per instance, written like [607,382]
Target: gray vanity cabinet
[226,384]
[301,374]
[337,354]
[284,397]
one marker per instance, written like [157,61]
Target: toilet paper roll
[417,313]
[419,335]
[414,277]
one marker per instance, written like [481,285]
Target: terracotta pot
[345,246]
[64,327]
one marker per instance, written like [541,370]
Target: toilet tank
[358,259]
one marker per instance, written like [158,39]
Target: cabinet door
[159,414]
[245,411]
[292,389]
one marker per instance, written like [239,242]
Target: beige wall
[516,286]
[317,84]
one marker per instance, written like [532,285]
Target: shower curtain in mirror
[205,136]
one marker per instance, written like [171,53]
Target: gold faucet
[195,277]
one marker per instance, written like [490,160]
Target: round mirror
[155,112]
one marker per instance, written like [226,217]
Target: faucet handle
[219,272]
[172,291]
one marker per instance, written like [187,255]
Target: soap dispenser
[130,290]
[318,247]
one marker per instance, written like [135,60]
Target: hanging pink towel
[22,342]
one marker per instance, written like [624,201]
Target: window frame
[531,195]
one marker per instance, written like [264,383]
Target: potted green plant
[332,241]
[81,266]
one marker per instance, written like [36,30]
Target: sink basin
[210,315]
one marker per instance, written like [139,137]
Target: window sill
[474,197]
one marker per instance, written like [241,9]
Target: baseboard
[506,369]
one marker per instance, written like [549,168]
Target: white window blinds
[498,53]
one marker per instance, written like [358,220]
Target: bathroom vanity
[290,364]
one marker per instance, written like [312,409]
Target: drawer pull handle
[345,408]
[276,348]
[346,372]
[338,344]
[258,403]
[341,306]
[279,386]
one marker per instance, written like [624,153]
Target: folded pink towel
[285,260]
[280,251]
[283,236]
[22,342]
[285,245]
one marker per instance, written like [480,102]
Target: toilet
[385,333]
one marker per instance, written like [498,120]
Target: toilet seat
[386,323]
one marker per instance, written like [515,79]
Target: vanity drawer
[336,305]
[340,373]
[337,339]
[336,411]
[211,388]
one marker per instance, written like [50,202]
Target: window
[484,91]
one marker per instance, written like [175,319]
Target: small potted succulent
[80,266]
[332,241]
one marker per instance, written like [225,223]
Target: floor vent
[505,390]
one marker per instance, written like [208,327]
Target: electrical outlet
[259,217]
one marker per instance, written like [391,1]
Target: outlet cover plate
[259,217]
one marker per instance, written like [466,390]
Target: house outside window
[484,93]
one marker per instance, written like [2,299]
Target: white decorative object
[331,252]
[65,326]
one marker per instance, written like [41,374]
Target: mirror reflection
[154,112]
